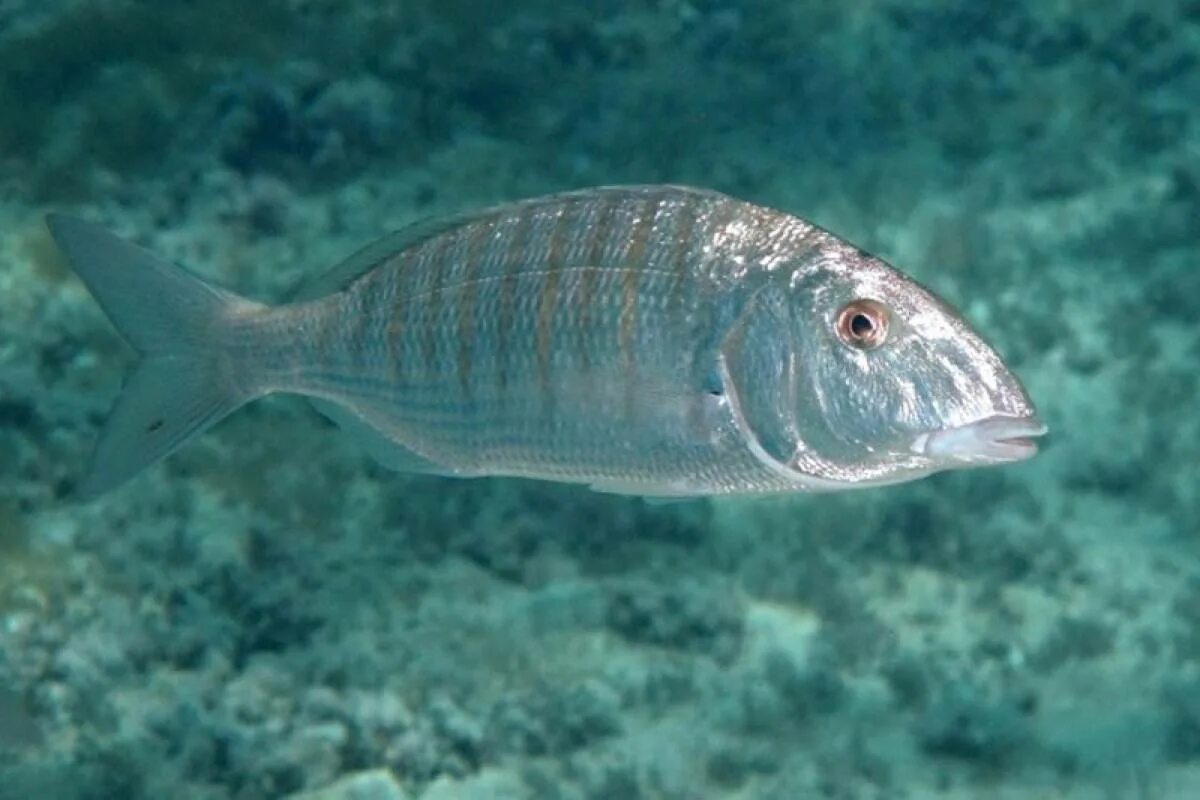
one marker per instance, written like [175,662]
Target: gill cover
[758,370]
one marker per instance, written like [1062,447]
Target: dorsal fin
[366,259]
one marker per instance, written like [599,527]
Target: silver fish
[650,340]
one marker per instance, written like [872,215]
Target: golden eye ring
[863,324]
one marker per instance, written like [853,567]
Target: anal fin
[370,435]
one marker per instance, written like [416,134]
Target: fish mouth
[993,440]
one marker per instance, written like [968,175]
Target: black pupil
[861,326]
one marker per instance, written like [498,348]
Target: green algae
[105,85]
[28,572]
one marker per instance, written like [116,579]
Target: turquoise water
[267,614]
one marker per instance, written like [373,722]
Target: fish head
[890,382]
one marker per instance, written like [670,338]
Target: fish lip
[992,440]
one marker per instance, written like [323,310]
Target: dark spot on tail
[156,425]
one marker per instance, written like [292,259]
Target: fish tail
[188,376]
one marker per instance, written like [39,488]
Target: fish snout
[996,439]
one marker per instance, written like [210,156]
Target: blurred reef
[268,615]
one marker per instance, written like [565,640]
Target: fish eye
[863,324]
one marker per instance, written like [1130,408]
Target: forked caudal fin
[187,378]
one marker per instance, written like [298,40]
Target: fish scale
[654,340]
[571,299]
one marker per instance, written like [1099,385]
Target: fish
[654,340]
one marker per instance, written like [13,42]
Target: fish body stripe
[400,268]
[548,299]
[437,262]
[643,223]
[468,329]
[594,258]
[681,249]
[511,264]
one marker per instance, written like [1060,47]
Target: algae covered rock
[376,784]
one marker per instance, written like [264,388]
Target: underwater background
[268,614]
